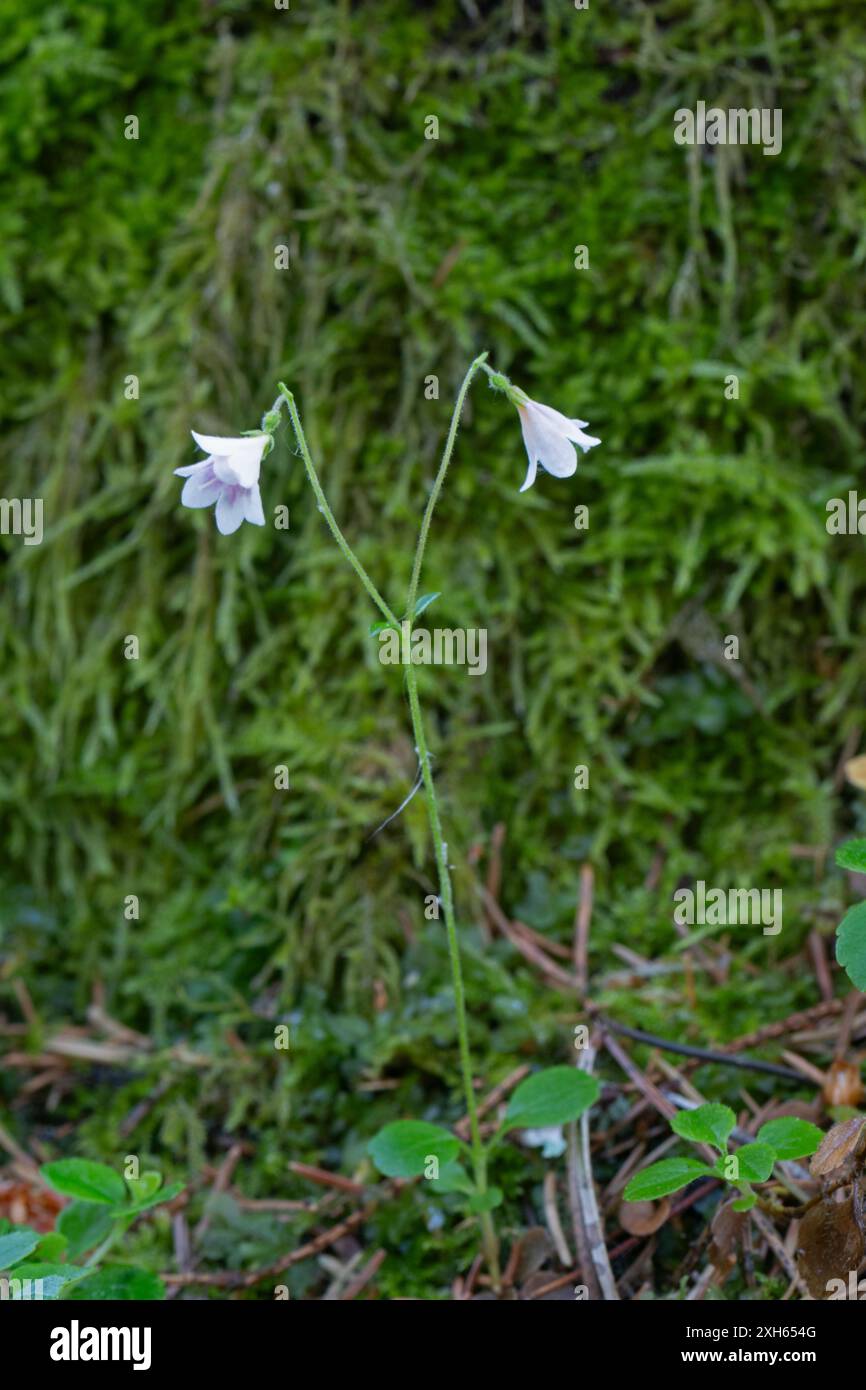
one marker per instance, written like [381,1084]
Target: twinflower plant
[228,478]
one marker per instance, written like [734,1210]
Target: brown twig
[528,949]
[220,1183]
[818,954]
[326,1179]
[364,1275]
[768,1231]
[492,1099]
[792,1024]
[551,1216]
[494,872]
[582,920]
[237,1279]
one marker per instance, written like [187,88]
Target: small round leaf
[401,1149]
[552,1097]
[79,1177]
[665,1177]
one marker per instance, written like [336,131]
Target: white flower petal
[230,510]
[243,455]
[253,510]
[189,470]
[551,417]
[530,475]
[530,439]
[551,447]
[550,439]
[201,490]
[572,429]
[585,441]
[226,472]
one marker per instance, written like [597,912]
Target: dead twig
[582,921]
[551,1216]
[490,1101]
[586,1219]
[326,1179]
[237,1279]
[363,1277]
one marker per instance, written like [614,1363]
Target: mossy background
[155,257]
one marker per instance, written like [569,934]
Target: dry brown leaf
[535,1249]
[27,1205]
[838,1145]
[643,1218]
[830,1244]
[727,1227]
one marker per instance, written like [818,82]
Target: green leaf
[119,1281]
[164,1195]
[754,1163]
[51,1247]
[401,1149]
[79,1177]
[452,1178]
[745,1203]
[142,1188]
[851,945]
[707,1124]
[486,1201]
[84,1225]
[852,855]
[51,1277]
[665,1177]
[376,628]
[424,602]
[58,1274]
[28,1292]
[551,1097]
[790,1137]
[17,1246]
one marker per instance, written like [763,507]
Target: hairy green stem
[479,1155]
[479,1158]
[437,485]
[326,510]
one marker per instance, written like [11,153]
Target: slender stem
[110,1240]
[437,485]
[328,514]
[479,1158]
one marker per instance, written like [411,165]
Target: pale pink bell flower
[229,477]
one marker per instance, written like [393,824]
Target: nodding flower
[550,439]
[229,477]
